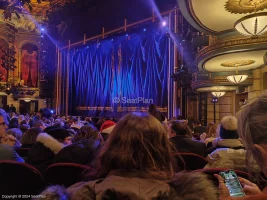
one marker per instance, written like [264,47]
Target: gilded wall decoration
[245,6]
[237,63]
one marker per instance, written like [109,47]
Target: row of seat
[21,178]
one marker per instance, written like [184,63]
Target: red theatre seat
[191,161]
[65,173]
[18,178]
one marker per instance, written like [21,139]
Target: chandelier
[218,94]
[252,25]
[237,78]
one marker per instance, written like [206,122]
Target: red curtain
[29,66]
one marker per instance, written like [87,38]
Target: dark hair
[180,127]
[14,123]
[138,142]
[38,124]
[29,137]
[86,132]
[152,110]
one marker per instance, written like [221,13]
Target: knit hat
[107,126]
[228,128]
[59,133]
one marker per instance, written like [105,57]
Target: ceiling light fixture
[252,25]
[237,78]
[218,94]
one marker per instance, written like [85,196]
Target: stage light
[144,29]
[42,29]
[51,111]
[164,23]
[127,35]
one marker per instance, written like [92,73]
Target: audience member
[87,143]
[7,151]
[229,152]
[210,134]
[252,126]
[152,110]
[3,126]
[42,153]
[198,129]
[14,123]
[106,128]
[136,161]
[29,137]
[39,124]
[178,134]
[17,134]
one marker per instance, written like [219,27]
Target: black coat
[42,153]
[185,144]
[82,152]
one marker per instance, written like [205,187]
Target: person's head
[252,129]
[107,127]
[24,127]
[228,128]
[39,124]
[62,135]
[29,137]
[211,130]
[3,126]
[192,186]
[17,133]
[197,123]
[14,123]
[178,127]
[138,142]
[86,132]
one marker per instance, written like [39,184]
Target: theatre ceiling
[218,16]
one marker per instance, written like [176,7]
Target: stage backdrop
[114,76]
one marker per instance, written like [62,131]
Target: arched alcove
[29,65]
[3,45]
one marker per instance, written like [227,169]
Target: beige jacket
[119,187]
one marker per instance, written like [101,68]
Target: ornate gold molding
[245,6]
[220,81]
[230,43]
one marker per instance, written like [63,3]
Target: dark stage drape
[114,76]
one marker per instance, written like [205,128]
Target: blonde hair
[252,126]
[211,130]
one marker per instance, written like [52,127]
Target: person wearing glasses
[7,151]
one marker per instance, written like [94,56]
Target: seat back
[19,178]
[65,173]
[192,161]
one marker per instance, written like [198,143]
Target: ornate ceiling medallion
[237,63]
[245,6]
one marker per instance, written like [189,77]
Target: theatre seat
[18,178]
[65,174]
[190,161]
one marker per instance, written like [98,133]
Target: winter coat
[233,157]
[43,151]
[185,144]
[82,152]
[119,186]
